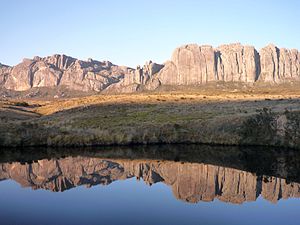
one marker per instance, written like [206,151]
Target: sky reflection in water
[174,185]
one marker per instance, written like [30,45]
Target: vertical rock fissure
[257,65]
[190,65]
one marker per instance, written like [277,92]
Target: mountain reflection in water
[194,173]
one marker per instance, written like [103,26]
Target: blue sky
[130,32]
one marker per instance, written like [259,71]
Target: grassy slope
[194,116]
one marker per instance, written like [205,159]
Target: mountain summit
[189,65]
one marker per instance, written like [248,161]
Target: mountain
[189,65]
[62,70]
[193,64]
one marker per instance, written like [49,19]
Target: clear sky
[130,32]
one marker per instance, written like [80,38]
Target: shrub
[23,104]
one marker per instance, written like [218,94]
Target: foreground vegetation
[212,117]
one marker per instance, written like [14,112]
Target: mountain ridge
[190,64]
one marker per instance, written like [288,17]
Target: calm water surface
[182,184]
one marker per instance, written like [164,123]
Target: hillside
[223,115]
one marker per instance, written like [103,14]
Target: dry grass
[206,116]
[50,107]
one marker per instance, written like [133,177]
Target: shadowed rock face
[190,182]
[189,65]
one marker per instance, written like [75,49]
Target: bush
[23,104]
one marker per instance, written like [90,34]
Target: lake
[167,184]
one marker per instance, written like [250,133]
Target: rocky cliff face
[4,72]
[193,64]
[189,65]
[191,182]
[140,78]
[63,70]
[279,65]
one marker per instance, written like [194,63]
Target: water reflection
[194,173]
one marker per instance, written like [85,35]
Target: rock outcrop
[189,65]
[278,65]
[193,65]
[4,72]
[140,78]
[190,182]
[237,63]
[66,71]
